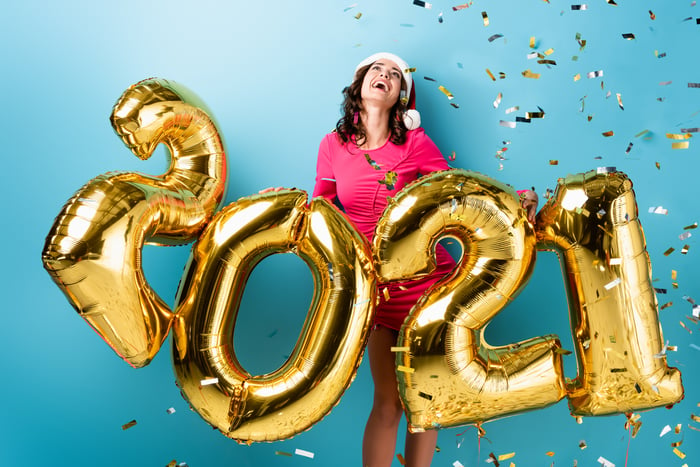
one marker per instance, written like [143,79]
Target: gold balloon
[448,375]
[93,250]
[324,361]
[591,222]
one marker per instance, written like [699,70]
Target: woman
[377,148]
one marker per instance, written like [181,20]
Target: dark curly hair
[352,104]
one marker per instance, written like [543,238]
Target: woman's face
[382,83]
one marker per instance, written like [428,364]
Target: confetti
[612,283]
[652,15]
[577,76]
[678,136]
[604,462]
[694,85]
[629,36]
[629,148]
[658,210]
[684,235]
[582,445]
[550,453]
[665,83]
[497,102]
[440,20]
[372,163]
[608,133]
[402,461]
[282,453]
[579,7]
[507,124]
[553,162]
[349,7]
[690,130]
[400,349]
[358,16]
[680,145]
[501,75]
[685,249]
[595,74]
[539,114]
[457,464]
[446,92]
[691,226]
[619,101]
[685,327]
[679,453]
[462,6]
[428,78]
[494,37]
[666,305]
[170,411]
[389,180]
[669,251]
[452,156]
[301,452]
[405,369]
[504,457]
[512,109]
[488,72]
[128,425]
[658,165]
[486,19]
[532,42]
[425,396]
[209,381]
[529,74]
[422,3]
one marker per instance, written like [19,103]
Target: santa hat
[411,118]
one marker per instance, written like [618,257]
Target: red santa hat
[411,117]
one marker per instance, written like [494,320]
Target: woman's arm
[325,178]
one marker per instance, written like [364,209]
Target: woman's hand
[529,201]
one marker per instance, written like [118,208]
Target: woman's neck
[376,123]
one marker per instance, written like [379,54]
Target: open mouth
[381,85]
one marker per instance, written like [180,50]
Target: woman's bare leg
[379,441]
[420,448]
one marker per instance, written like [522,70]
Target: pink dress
[362,180]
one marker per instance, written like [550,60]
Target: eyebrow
[384,64]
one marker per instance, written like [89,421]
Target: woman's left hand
[529,201]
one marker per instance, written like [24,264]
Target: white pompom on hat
[411,118]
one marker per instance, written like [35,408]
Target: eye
[396,74]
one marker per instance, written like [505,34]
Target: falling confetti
[629,36]
[462,6]
[619,101]
[209,381]
[303,453]
[422,3]
[497,102]
[494,37]
[488,72]
[608,133]
[486,19]
[595,74]
[579,7]
[128,425]
[446,92]
[389,180]
[529,74]
[372,162]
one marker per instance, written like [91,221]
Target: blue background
[272,73]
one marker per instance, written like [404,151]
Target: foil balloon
[93,250]
[448,375]
[591,222]
[278,405]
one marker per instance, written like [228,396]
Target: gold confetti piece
[666,305]
[504,457]
[402,461]
[691,226]
[677,429]
[553,162]
[172,463]
[547,62]
[128,425]
[386,294]
[629,36]
[371,162]
[501,75]
[282,453]
[461,7]
[658,165]
[608,133]
[652,15]
[410,70]
[676,444]
[679,453]
[582,445]
[358,16]
[486,18]
[669,251]
[209,381]
[529,74]
[680,145]
[679,136]
[488,72]
[539,114]
[405,369]
[695,417]
[619,101]
[550,453]
[497,102]
[494,37]
[389,180]
[685,249]
[446,92]
[532,42]
[400,349]
[549,51]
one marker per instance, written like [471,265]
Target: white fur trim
[411,118]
